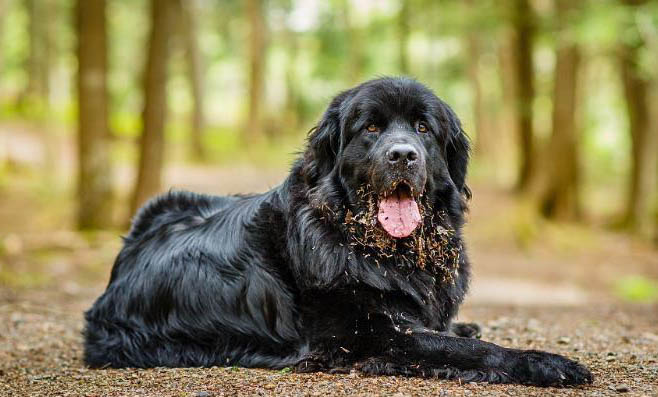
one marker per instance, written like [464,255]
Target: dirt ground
[550,287]
[40,350]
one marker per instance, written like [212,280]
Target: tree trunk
[655,226]
[504,148]
[292,105]
[37,63]
[524,28]
[94,177]
[195,74]
[48,17]
[473,45]
[559,197]
[636,90]
[655,201]
[149,175]
[257,58]
[3,10]
[654,129]
[31,62]
[487,147]
[403,41]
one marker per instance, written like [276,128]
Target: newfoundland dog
[355,262]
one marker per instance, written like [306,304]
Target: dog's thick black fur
[304,276]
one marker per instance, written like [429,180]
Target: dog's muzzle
[401,170]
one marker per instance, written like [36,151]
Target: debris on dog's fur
[433,244]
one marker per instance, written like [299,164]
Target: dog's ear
[324,140]
[457,150]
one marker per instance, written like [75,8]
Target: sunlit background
[560,99]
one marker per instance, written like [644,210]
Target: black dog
[355,262]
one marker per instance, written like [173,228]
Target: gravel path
[40,350]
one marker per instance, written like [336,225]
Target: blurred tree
[403,40]
[3,10]
[473,45]
[149,174]
[356,58]
[292,107]
[523,23]
[37,62]
[48,33]
[94,171]
[31,61]
[506,120]
[655,202]
[257,56]
[655,131]
[559,195]
[188,10]
[34,87]
[637,85]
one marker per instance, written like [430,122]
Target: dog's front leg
[430,354]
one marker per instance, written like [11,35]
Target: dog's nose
[402,154]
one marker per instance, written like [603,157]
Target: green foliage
[637,289]
[12,279]
[14,45]
[333,44]
[316,49]
[226,146]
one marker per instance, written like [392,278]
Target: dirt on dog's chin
[432,243]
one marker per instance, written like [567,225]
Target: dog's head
[395,137]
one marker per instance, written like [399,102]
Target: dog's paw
[466,330]
[309,365]
[378,366]
[547,369]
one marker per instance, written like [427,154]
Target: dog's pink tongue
[399,214]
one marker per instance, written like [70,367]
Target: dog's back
[175,208]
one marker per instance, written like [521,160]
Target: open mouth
[398,210]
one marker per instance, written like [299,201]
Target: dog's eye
[422,127]
[372,128]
